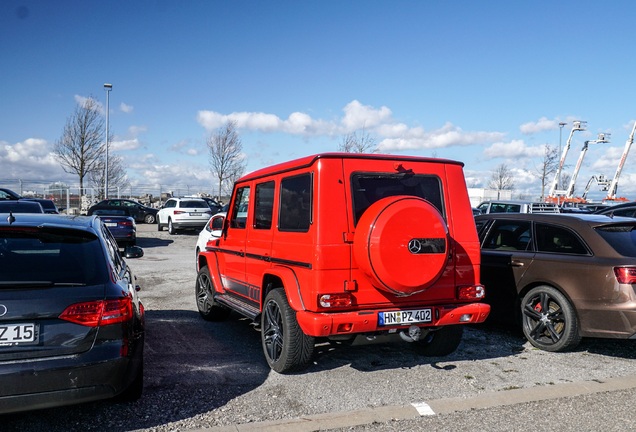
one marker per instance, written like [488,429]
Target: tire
[441,342]
[149,219]
[204,295]
[171,229]
[159,226]
[286,347]
[135,389]
[549,320]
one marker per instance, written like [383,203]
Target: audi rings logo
[3,310]
[415,246]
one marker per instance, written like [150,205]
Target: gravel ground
[201,374]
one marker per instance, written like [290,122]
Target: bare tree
[548,166]
[501,179]
[355,142]
[117,176]
[226,154]
[82,143]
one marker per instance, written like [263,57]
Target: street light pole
[108,87]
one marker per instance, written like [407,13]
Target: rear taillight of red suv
[625,275]
[100,312]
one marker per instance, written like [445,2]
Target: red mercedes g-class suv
[337,245]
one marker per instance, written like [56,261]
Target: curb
[321,422]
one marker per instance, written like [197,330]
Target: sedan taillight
[100,312]
[625,275]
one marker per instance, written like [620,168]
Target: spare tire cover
[401,244]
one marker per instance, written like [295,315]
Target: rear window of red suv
[371,187]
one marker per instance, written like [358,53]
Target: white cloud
[513,149]
[358,116]
[541,125]
[126,108]
[446,136]
[30,159]
[131,144]
[392,135]
[137,130]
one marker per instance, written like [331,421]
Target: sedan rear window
[50,257]
[621,237]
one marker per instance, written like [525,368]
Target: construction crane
[602,138]
[611,191]
[577,125]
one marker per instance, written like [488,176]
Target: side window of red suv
[295,203]
[264,205]
[239,211]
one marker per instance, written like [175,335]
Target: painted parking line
[321,422]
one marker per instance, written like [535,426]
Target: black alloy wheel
[285,345]
[549,320]
[204,293]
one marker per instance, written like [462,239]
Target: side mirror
[133,252]
[216,225]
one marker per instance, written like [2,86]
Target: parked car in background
[119,222]
[627,209]
[20,206]
[183,214]
[210,231]
[562,276]
[8,194]
[72,323]
[140,212]
[341,245]
[48,205]
[213,204]
[513,206]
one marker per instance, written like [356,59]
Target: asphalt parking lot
[212,376]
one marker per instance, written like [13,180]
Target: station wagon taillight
[100,312]
[625,275]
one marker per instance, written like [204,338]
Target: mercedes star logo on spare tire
[415,246]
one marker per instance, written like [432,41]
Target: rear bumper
[341,323]
[45,383]
[186,224]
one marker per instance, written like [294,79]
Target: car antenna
[11,218]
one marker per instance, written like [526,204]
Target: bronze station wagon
[565,276]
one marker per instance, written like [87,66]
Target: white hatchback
[211,231]
[183,213]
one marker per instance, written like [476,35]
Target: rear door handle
[516,264]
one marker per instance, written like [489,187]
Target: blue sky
[484,82]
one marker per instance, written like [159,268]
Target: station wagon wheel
[204,292]
[285,345]
[149,219]
[549,320]
[171,229]
[441,342]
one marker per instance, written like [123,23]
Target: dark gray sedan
[564,276]
[71,322]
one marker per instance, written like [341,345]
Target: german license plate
[18,334]
[196,214]
[404,317]
[111,224]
